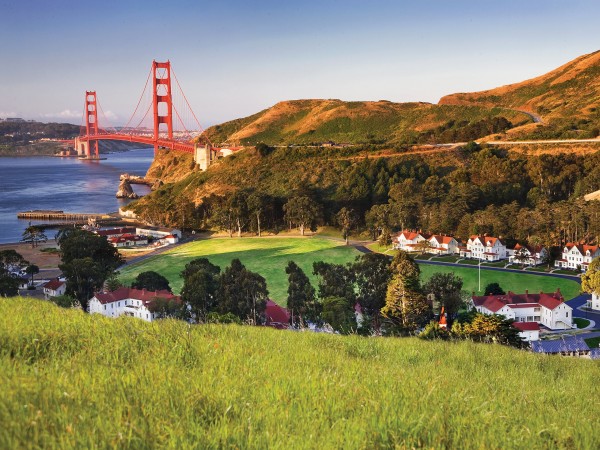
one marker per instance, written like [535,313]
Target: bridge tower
[162,99]
[91,123]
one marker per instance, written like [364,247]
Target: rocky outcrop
[125,189]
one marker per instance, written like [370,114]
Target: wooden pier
[40,214]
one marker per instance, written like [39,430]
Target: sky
[235,58]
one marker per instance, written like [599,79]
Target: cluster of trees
[14,271]
[525,198]
[462,131]
[16,132]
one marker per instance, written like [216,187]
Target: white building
[485,248]
[128,240]
[128,302]
[528,331]
[594,302]
[549,310]
[532,256]
[443,245]
[54,288]
[407,240]
[158,233]
[577,256]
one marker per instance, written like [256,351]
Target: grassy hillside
[316,121]
[70,380]
[567,97]
[267,256]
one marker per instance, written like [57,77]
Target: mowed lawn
[267,256]
[509,281]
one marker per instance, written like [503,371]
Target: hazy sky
[234,58]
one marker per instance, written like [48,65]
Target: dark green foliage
[164,308]
[242,292]
[64,301]
[34,235]
[11,263]
[301,294]
[200,286]
[487,328]
[493,289]
[446,290]
[372,273]
[31,270]
[303,212]
[339,313]
[87,261]
[151,281]
[335,280]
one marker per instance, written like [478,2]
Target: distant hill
[381,122]
[567,98]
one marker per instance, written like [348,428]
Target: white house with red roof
[115,232]
[54,288]
[407,240]
[528,331]
[594,302]
[276,316]
[577,256]
[129,302]
[443,245]
[128,240]
[485,248]
[549,310]
[527,255]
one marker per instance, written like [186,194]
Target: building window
[104,307]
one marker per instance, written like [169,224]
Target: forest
[472,190]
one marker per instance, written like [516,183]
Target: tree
[489,328]
[163,308]
[11,263]
[493,289]
[302,211]
[346,218]
[423,246]
[335,280]
[199,292]
[405,305]
[112,283]
[372,273]
[31,270]
[64,301]
[87,261]
[338,313]
[590,280]
[257,204]
[33,235]
[521,255]
[378,220]
[151,281]
[385,238]
[301,294]
[242,292]
[446,288]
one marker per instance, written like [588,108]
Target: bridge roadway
[187,147]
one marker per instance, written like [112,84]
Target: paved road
[500,269]
[579,301]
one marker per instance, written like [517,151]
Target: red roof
[526,326]
[583,248]
[53,285]
[442,239]
[115,231]
[136,294]
[276,313]
[495,302]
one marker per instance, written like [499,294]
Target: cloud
[5,114]
[65,114]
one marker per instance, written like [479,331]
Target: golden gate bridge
[163,118]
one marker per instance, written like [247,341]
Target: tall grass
[70,380]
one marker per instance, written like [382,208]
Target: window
[567,313]
[104,307]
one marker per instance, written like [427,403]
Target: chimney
[526,291]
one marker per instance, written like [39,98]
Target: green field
[73,380]
[267,256]
[509,281]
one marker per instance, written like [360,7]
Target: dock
[40,214]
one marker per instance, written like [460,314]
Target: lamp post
[479,265]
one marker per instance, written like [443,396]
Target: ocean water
[67,184]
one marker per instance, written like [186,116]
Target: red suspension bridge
[162,118]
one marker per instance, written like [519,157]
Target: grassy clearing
[510,281]
[267,256]
[70,380]
[581,323]
[593,342]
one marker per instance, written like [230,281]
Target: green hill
[566,98]
[317,121]
[70,380]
